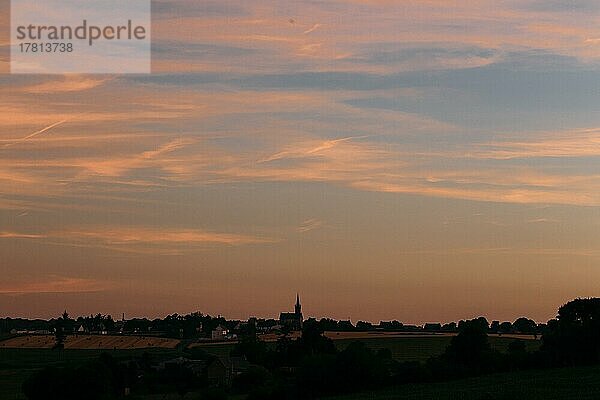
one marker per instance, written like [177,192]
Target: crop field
[217,349]
[19,357]
[403,347]
[22,355]
[420,348]
[84,342]
[557,384]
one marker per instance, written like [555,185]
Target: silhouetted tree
[358,367]
[505,327]
[432,327]
[328,324]
[495,326]
[345,326]
[525,325]
[364,326]
[313,341]
[392,325]
[470,347]
[60,331]
[574,337]
[251,347]
[449,327]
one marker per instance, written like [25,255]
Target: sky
[413,160]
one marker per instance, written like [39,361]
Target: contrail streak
[34,134]
[314,28]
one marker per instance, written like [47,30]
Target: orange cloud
[310,225]
[142,240]
[577,143]
[185,237]
[67,83]
[15,235]
[55,285]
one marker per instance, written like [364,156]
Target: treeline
[21,324]
[520,325]
[311,366]
[197,325]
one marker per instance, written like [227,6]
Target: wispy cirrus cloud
[122,236]
[576,143]
[55,284]
[36,133]
[143,240]
[360,162]
[310,225]
[66,84]
[16,235]
[315,37]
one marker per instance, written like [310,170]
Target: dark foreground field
[17,364]
[581,383]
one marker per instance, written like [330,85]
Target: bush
[254,377]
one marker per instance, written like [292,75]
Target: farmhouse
[219,333]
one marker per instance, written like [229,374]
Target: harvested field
[90,342]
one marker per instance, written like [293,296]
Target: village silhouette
[203,357]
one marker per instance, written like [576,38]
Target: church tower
[298,307]
[293,321]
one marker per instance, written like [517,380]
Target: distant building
[196,367]
[292,321]
[218,371]
[219,333]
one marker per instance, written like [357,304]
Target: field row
[90,342]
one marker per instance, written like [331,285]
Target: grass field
[403,348]
[556,384]
[422,348]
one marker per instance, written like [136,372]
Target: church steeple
[298,307]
